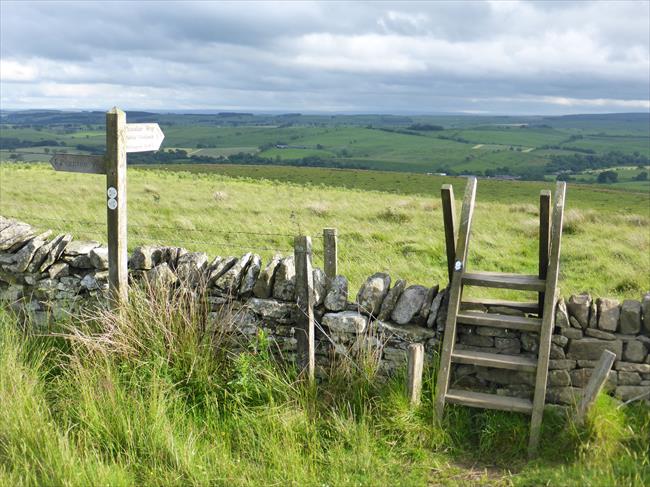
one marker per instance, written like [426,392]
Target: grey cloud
[310,56]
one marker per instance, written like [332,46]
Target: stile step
[489,401]
[499,361]
[501,280]
[473,303]
[496,320]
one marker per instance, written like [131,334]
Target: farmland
[524,147]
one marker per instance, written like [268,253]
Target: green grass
[606,244]
[161,401]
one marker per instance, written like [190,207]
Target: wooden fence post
[330,253]
[305,303]
[596,382]
[116,205]
[451,230]
[415,366]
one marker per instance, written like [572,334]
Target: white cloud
[11,70]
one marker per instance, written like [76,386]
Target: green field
[387,221]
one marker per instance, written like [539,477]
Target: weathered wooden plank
[500,280]
[454,295]
[595,384]
[474,303]
[548,318]
[330,252]
[305,302]
[496,360]
[489,401]
[415,367]
[116,204]
[449,219]
[544,237]
[495,320]
[83,163]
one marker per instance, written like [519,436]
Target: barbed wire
[46,154]
[67,221]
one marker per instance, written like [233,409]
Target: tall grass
[157,393]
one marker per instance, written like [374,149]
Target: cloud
[542,57]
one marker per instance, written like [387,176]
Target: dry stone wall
[45,276]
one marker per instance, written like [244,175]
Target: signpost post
[121,138]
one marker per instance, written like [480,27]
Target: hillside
[523,147]
[225,209]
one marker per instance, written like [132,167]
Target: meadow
[386,221]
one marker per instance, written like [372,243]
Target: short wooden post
[595,384]
[116,205]
[415,366]
[305,303]
[330,252]
[544,238]
[449,219]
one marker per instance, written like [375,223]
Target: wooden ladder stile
[463,310]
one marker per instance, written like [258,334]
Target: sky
[491,57]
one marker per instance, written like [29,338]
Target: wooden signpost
[121,138]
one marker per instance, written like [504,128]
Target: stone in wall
[389,302]
[250,276]
[634,351]
[580,378]
[600,334]
[230,281]
[345,322]
[372,293]
[408,304]
[337,294]
[272,309]
[99,258]
[630,320]
[319,280]
[285,280]
[263,287]
[561,314]
[219,267]
[436,305]
[14,234]
[191,268]
[48,250]
[423,315]
[629,393]
[161,276]
[578,307]
[142,257]
[23,257]
[592,348]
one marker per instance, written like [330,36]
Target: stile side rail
[548,318]
[455,294]
[544,238]
[449,220]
